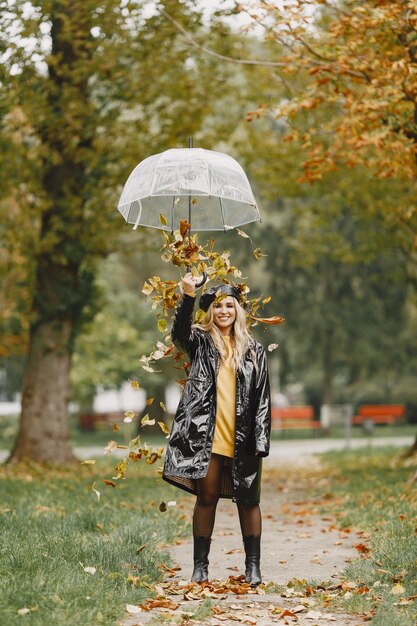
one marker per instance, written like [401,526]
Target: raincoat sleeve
[262,406]
[181,333]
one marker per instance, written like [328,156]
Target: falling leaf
[90,570]
[266,300]
[109,482]
[276,319]
[163,407]
[149,401]
[93,488]
[115,428]
[241,233]
[147,289]
[184,227]
[145,421]
[163,220]
[258,254]
[162,325]
[134,384]
[112,445]
[128,417]
[199,315]
[132,609]
[272,346]
[88,462]
[163,427]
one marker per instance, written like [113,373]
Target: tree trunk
[43,435]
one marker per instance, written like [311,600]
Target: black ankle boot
[252,545]
[201,552]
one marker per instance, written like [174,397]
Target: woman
[222,425]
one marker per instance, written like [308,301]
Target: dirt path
[297,545]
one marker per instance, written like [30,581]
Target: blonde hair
[242,339]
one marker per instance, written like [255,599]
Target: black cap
[224,290]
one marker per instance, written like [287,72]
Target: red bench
[293,417]
[379,414]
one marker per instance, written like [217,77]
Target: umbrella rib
[222,210]
[172,215]
[139,216]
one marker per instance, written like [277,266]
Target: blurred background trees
[91,88]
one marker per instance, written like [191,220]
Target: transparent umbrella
[207,188]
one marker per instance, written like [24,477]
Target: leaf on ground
[90,570]
[163,507]
[24,611]
[398,589]
[132,609]
[362,548]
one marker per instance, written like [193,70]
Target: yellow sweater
[224,433]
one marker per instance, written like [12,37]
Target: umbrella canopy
[207,188]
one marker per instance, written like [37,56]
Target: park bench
[379,414]
[294,417]
[89,421]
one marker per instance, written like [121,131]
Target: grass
[53,526]
[372,494]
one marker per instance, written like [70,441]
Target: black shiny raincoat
[191,439]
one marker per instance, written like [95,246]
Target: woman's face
[224,314]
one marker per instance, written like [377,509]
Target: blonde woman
[222,425]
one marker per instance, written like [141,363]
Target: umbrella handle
[201,282]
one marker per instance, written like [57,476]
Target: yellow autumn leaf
[163,407]
[88,462]
[258,254]
[163,219]
[164,428]
[145,421]
[134,384]
[147,289]
[162,325]
[149,401]
[199,315]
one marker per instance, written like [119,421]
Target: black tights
[208,490]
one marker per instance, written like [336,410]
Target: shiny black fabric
[191,439]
